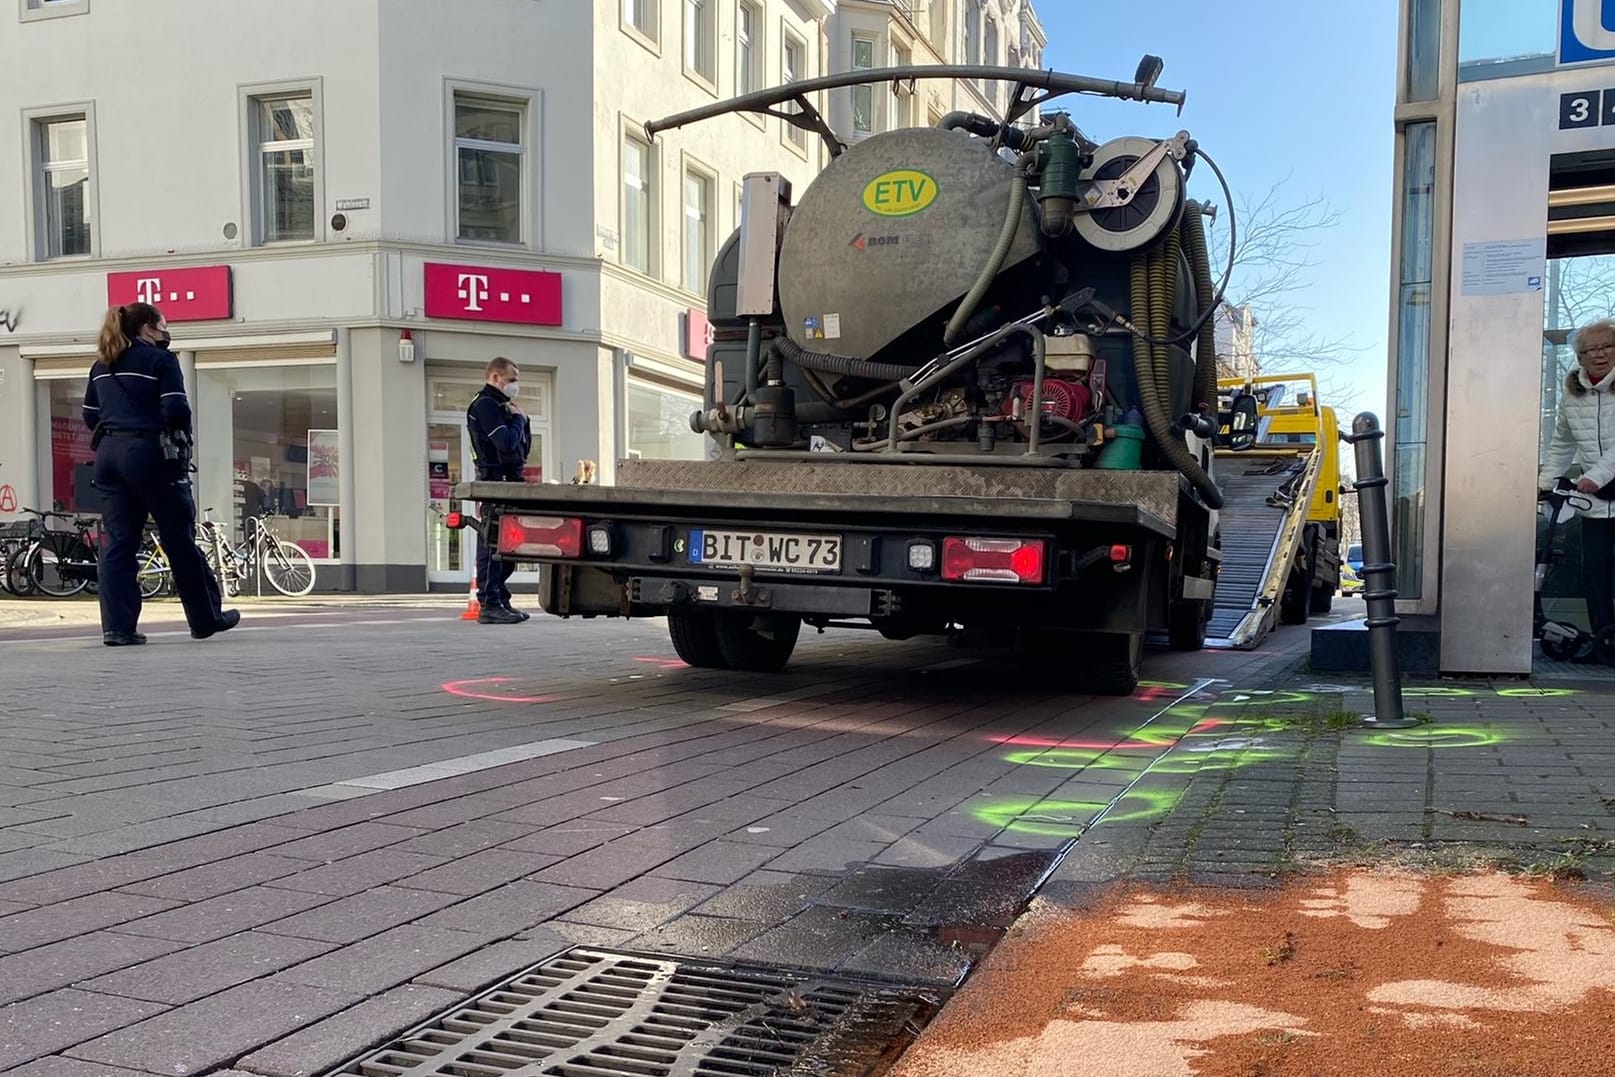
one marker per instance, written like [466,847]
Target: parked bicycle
[286,566]
[152,571]
[58,562]
[16,536]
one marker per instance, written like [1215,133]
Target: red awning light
[992,560]
[540,536]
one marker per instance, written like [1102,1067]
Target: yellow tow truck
[1281,518]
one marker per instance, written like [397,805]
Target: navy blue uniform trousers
[136,482]
[492,574]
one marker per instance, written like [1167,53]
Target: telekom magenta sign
[483,294]
[183,295]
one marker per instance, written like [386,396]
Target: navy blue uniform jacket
[152,397]
[500,437]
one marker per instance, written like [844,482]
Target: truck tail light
[1003,560]
[540,536]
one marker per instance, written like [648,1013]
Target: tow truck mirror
[1242,421]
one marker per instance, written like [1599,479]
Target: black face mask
[164,341]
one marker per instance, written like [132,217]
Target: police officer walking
[137,407]
[501,438]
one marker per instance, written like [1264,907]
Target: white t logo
[473,289]
[1588,21]
[149,289]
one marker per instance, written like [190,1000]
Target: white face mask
[512,389]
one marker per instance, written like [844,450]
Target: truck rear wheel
[695,638]
[1186,625]
[757,643]
[1323,600]
[1093,663]
[1112,664]
[1295,603]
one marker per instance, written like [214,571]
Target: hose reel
[1145,213]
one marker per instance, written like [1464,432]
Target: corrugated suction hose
[1154,297]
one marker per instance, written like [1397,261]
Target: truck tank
[893,234]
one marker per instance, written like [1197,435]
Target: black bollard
[1379,573]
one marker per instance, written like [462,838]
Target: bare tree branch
[1276,246]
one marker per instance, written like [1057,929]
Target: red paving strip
[1360,972]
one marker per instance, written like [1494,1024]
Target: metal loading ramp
[1254,546]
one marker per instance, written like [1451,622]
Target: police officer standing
[501,438]
[137,407]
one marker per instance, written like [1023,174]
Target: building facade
[866,34]
[1504,243]
[343,227]
[1236,342]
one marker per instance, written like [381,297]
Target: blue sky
[1276,89]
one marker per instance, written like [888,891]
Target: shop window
[659,424]
[1506,37]
[1423,77]
[1577,291]
[490,161]
[1413,356]
[268,441]
[72,463]
[62,185]
[283,136]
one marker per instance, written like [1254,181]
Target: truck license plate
[785,552]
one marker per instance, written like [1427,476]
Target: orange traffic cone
[473,608]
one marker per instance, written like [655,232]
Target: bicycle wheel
[48,568]
[289,569]
[153,574]
[19,581]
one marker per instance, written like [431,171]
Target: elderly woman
[1584,433]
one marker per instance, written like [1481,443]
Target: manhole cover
[595,1013]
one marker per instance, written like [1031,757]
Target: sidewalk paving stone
[215,1030]
[69,961]
[226,914]
[368,1024]
[48,1023]
[209,968]
[385,960]
[477,970]
[76,916]
[359,916]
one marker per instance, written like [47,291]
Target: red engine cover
[1066,399]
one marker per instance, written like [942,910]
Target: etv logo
[1586,31]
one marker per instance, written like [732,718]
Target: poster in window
[324,468]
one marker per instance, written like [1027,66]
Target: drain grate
[597,1013]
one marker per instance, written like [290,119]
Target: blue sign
[1586,31]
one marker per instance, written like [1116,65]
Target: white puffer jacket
[1584,432]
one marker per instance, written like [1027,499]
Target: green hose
[1154,286]
[995,260]
[1205,349]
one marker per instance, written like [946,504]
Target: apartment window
[902,94]
[637,201]
[939,25]
[489,152]
[990,56]
[51,9]
[283,132]
[699,39]
[62,150]
[973,31]
[697,231]
[641,15]
[793,62]
[748,48]
[863,96]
